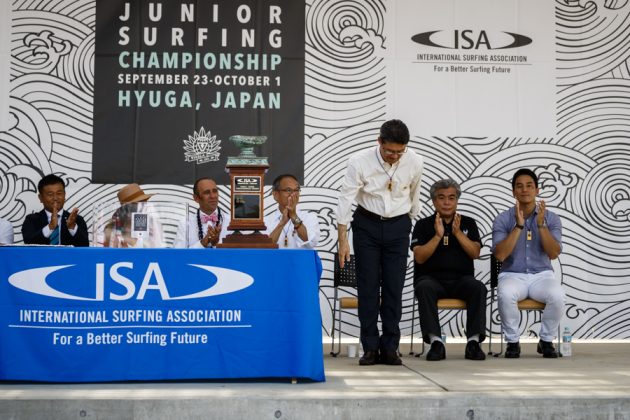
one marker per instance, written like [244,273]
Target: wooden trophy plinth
[247,180]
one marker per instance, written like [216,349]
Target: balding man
[207,226]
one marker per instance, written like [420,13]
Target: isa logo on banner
[34,280]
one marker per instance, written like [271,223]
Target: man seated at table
[119,232]
[53,225]
[287,226]
[6,232]
[444,246]
[208,225]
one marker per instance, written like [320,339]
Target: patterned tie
[54,236]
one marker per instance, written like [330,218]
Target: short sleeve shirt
[449,260]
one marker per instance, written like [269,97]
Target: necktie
[54,236]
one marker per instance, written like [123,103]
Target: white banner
[474,68]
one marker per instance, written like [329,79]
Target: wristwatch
[296,222]
[519,226]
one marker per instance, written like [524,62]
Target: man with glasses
[287,226]
[385,183]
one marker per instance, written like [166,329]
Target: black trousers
[381,248]
[429,289]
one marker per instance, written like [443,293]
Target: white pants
[543,287]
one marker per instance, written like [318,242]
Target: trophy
[247,180]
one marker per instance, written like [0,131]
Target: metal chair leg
[422,351]
[332,349]
[558,345]
[413,323]
[490,352]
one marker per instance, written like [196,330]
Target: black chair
[523,305]
[342,277]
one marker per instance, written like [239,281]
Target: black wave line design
[326,158]
[67,111]
[345,82]
[611,322]
[345,30]
[323,203]
[605,194]
[594,118]
[621,72]
[597,105]
[592,38]
[48,73]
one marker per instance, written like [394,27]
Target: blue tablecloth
[95,314]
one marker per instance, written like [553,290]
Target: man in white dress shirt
[208,225]
[287,226]
[385,183]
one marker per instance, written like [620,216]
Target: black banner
[175,79]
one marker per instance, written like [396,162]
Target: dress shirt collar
[49,214]
[382,162]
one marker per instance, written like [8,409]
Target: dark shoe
[513,350]
[369,358]
[474,352]
[547,350]
[390,358]
[436,352]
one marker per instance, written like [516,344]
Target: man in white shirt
[385,183]
[6,232]
[208,225]
[287,226]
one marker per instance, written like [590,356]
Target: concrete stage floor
[592,384]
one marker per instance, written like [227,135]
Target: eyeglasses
[291,190]
[388,152]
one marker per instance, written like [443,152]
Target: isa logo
[114,282]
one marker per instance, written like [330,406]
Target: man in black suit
[53,225]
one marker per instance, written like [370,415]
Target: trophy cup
[247,180]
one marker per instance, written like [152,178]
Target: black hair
[50,179]
[279,178]
[394,131]
[524,171]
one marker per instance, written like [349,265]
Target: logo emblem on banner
[202,147]
[34,280]
[469,39]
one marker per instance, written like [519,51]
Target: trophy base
[253,240]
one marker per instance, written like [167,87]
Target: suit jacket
[34,223]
